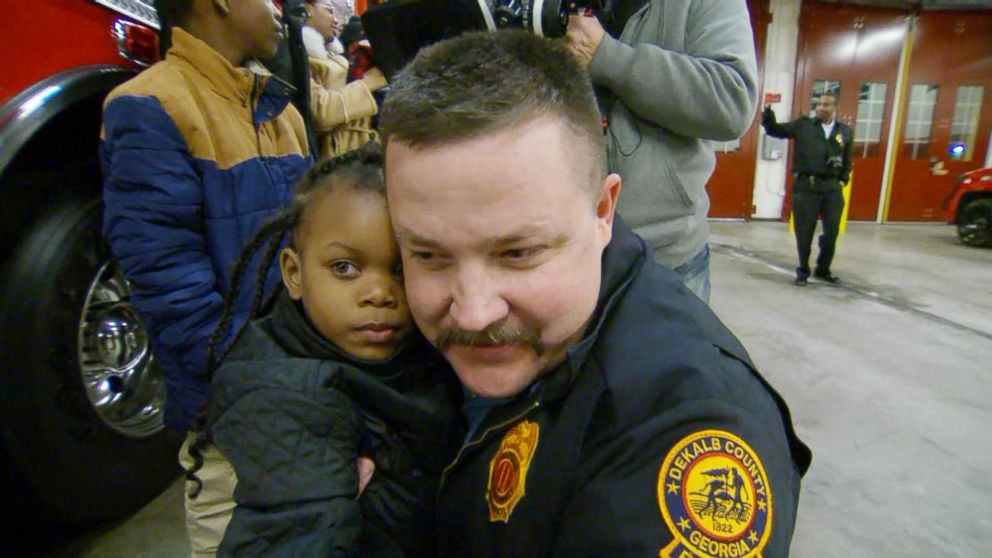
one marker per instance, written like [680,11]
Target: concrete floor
[889,376]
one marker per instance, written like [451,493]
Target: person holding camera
[821,165]
[670,77]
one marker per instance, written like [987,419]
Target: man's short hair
[486,82]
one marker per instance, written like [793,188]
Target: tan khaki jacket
[341,111]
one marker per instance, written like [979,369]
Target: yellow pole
[897,114]
[847,203]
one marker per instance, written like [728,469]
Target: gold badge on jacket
[508,470]
[715,497]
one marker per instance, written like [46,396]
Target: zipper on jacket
[444,474]
[252,100]
[257,89]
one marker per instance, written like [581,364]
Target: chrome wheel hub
[119,375]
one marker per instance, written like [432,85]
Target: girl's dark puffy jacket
[292,413]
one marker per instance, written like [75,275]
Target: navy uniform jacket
[655,437]
[813,150]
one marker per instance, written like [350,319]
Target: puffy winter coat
[196,154]
[292,414]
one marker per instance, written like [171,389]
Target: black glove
[767,116]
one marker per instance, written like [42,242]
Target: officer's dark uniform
[634,444]
[821,166]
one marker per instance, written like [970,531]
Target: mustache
[495,334]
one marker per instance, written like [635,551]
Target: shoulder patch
[508,470]
[715,498]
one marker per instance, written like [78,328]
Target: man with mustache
[602,396]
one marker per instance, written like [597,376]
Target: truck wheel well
[62,157]
[968,198]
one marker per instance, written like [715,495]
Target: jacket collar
[233,83]
[289,325]
[622,259]
[237,84]
[313,41]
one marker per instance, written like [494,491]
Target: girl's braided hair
[361,170]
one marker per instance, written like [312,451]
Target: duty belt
[814,178]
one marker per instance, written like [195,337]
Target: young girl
[329,369]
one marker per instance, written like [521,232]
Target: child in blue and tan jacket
[197,151]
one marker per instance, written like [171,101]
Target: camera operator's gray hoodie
[682,73]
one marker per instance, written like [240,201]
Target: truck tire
[80,396]
[975,223]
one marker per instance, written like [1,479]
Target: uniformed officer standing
[821,164]
[609,413]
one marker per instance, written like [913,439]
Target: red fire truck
[970,206]
[81,433]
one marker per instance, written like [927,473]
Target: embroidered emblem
[508,470]
[714,497]
[840,138]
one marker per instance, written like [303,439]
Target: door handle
[937,167]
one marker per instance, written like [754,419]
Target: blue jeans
[695,273]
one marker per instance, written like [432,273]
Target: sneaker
[800,281]
[826,276]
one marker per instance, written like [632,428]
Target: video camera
[397,29]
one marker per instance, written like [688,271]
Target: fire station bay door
[853,51]
[947,111]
